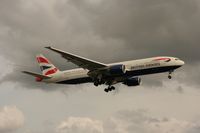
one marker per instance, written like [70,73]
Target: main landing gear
[110,88]
[98,82]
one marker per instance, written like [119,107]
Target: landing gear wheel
[112,88]
[170,76]
[106,90]
[96,83]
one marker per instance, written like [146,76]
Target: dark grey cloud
[151,28]
[123,30]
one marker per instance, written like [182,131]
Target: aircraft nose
[182,62]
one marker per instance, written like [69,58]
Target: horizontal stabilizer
[36,75]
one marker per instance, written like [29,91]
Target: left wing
[78,60]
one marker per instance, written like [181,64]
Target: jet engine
[117,70]
[132,81]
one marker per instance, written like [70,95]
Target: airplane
[90,71]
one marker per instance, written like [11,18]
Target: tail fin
[46,66]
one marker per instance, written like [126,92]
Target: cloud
[11,119]
[148,28]
[190,75]
[80,125]
[134,121]
[5,68]
[123,30]
[106,31]
[139,121]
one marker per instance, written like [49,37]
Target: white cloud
[11,118]
[169,125]
[136,121]
[140,122]
[80,125]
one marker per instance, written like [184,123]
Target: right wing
[78,60]
[36,75]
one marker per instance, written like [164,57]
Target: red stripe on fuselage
[164,59]
[52,71]
[42,60]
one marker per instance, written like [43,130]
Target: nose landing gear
[170,75]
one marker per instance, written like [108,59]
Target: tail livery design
[46,66]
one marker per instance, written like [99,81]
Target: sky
[106,31]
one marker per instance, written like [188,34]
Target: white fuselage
[133,68]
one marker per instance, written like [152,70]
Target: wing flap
[78,60]
[36,75]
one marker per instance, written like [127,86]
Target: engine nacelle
[117,70]
[132,81]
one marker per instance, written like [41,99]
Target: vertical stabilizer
[46,66]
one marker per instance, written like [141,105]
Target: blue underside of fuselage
[128,74]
